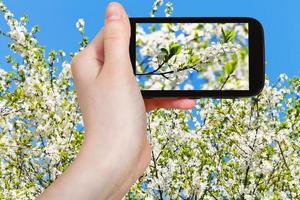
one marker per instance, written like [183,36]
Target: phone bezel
[256,58]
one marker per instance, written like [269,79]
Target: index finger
[183,104]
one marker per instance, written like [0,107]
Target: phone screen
[192,56]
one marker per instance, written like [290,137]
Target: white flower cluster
[283,77]
[3,83]
[38,116]
[226,152]
[17,29]
[155,6]
[169,9]
[80,25]
[214,53]
[18,35]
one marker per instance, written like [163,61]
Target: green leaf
[199,27]
[204,44]
[221,78]
[223,34]
[139,42]
[231,35]
[165,54]
[20,92]
[152,28]
[234,65]
[228,35]
[175,48]
[164,50]
[169,26]
[194,59]
[228,68]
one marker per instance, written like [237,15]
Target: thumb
[116,39]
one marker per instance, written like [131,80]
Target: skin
[115,151]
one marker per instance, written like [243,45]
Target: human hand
[115,150]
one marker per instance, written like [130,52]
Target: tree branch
[167,72]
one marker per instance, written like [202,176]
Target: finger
[116,39]
[87,64]
[98,47]
[183,104]
[85,67]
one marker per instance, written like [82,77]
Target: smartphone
[221,57]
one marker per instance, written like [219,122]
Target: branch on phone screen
[198,65]
[224,83]
[167,72]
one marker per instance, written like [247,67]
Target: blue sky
[57,20]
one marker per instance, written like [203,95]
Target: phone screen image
[192,56]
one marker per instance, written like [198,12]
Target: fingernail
[113,11]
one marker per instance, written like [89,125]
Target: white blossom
[80,24]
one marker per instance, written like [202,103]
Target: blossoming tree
[223,149]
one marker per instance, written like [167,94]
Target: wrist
[81,180]
[104,166]
[93,175]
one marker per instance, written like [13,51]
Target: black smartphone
[221,57]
